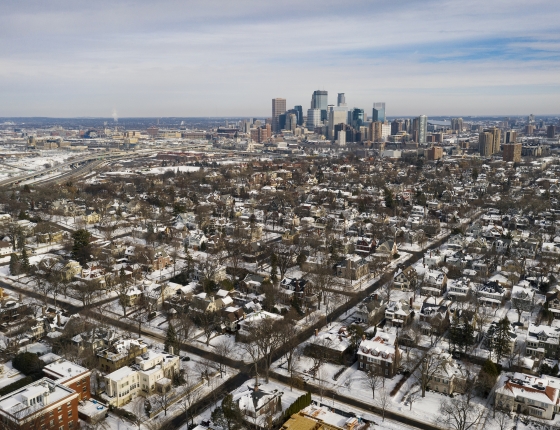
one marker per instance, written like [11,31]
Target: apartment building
[71,375]
[40,405]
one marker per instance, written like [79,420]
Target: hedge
[301,402]
[18,384]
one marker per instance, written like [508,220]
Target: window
[361,367]
[60,418]
[61,428]
[70,413]
[71,424]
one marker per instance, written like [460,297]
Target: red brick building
[71,375]
[44,404]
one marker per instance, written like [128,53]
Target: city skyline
[223,60]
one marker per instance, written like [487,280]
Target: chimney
[43,310]
[316,332]
[375,296]
[363,337]
[171,350]
[20,297]
[410,302]
[58,319]
[256,388]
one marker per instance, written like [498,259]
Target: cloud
[212,58]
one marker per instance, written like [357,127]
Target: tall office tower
[531,119]
[486,143]
[376,131]
[457,124]
[511,136]
[320,100]
[529,129]
[378,113]
[291,122]
[357,118]
[422,128]
[299,110]
[407,126]
[512,152]
[278,108]
[337,115]
[551,131]
[396,126]
[497,137]
[364,133]
[341,100]
[313,118]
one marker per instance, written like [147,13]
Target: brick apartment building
[44,404]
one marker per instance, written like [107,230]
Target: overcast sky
[71,58]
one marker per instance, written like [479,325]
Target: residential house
[490,294]
[450,377]
[398,313]
[434,283]
[459,289]
[153,372]
[531,395]
[543,342]
[371,310]
[122,353]
[380,354]
[353,267]
[406,279]
[434,317]
[333,343]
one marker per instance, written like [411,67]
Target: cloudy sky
[230,58]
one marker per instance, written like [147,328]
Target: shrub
[27,363]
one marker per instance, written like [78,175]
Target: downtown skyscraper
[378,113]
[278,108]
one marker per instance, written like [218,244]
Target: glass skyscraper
[378,112]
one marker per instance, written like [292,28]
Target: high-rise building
[299,110]
[529,129]
[291,122]
[486,143]
[396,126]
[313,118]
[278,108]
[337,115]
[341,100]
[378,113]
[551,131]
[457,124]
[497,137]
[531,119]
[379,131]
[511,136]
[357,119]
[512,152]
[320,100]
[422,128]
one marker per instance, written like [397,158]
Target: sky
[74,58]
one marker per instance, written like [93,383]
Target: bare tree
[192,394]
[372,380]
[164,400]
[223,348]
[503,420]
[460,413]
[383,401]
